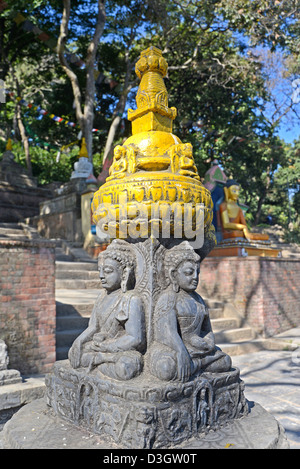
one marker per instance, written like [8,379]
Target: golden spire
[83,150]
[152,111]
[9,145]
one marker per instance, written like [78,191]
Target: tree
[26,62]
[85,115]
[220,89]
[216,77]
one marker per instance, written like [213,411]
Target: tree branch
[119,109]
[64,28]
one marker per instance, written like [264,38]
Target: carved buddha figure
[186,162]
[232,218]
[182,161]
[114,340]
[119,166]
[183,338]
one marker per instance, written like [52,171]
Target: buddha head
[116,268]
[182,266]
[232,190]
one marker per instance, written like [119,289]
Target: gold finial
[83,150]
[152,111]
[9,145]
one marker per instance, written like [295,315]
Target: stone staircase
[11,231]
[276,236]
[229,335]
[16,231]
[76,289]
[19,203]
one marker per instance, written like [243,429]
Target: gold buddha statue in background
[232,218]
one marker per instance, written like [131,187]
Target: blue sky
[289,134]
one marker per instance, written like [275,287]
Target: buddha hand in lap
[232,218]
[114,340]
[183,339]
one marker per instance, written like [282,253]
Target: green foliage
[44,162]
[217,84]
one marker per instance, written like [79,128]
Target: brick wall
[27,304]
[263,292]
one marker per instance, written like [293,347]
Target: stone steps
[77,284]
[216,314]
[19,203]
[17,231]
[11,231]
[77,274]
[220,323]
[255,345]
[238,334]
[73,265]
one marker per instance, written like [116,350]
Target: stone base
[35,426]
[10,377]
[145,412]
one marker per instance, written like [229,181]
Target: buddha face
[233,192]
[186,275]
[110,273]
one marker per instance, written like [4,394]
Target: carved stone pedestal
[144,412]
[36,426]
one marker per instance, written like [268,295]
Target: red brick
[27,309]
[264,290]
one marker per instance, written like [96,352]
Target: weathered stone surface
[145,412]
[9,377]
[35,426]
[17,394]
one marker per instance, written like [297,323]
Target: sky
[289,134]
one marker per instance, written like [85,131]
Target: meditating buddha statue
[184,343]
[114,341]
[232,218]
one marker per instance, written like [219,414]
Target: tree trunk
[90,79]
[263,196]
[259,208]
[24,139]
[86,117]
[111,136]
[118,112]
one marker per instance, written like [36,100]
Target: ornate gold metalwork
[153,166]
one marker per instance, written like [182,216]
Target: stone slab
[35,426]
[18,394]
[9,377]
